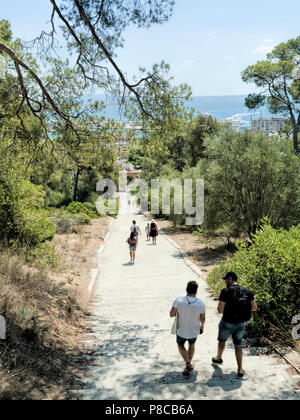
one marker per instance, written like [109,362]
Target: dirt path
[136,356]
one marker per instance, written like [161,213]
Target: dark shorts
[181,341]
[236,331]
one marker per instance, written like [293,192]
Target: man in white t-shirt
[190,323]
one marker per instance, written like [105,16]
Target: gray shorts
[132,247]
[236,331]
[181,341]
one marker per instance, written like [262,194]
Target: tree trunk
[295,138]
[76,185]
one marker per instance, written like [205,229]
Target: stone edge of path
[95,271]
[182,252]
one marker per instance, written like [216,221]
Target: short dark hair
[134,222]
[192,287]
[232,275]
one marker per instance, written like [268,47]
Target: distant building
[268,126]
[236,124]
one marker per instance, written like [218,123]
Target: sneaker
[217,361]
[241,374]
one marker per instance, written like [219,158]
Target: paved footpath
[136,355]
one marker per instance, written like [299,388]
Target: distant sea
[219,107]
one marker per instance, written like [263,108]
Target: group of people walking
[151,231]
[236,303]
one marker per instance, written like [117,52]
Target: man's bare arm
[173,312]
[202,322]
[253,306]
[221,307]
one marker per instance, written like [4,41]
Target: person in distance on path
[132,242]
[147,230]
[190,323]
[236,304]
[135,229]
[153,231]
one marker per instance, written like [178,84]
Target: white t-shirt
[137,229]
[189,311]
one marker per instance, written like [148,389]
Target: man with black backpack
[236,304]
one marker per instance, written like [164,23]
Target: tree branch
[18,63]
[69,27]
[100,44]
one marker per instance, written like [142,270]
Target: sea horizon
[220,107]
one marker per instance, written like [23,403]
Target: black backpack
[241,304]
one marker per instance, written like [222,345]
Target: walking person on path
[132,242]
[190,313]
[147,230]
[153,231]
[135,229]
[236,304]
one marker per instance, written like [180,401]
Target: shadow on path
[228,382]
[126,341]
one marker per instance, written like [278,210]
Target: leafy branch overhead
[55,99]
[277,78]
[93,32]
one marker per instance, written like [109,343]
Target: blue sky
[207,43]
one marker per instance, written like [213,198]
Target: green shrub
[93,197]
[108,208]
[90,209]
[62,222]
[44,256]
[10,209]
[112,210]
[270,268]
[81,219]
[36,229]
[83,208]
[136,156]
[55,198]
[22,219]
